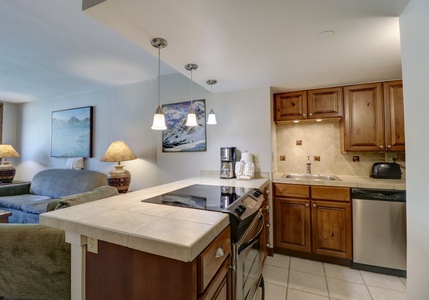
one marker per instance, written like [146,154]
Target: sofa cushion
[96,194]
[17,202]
[57,183]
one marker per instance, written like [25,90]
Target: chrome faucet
[308,165]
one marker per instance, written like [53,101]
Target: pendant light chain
[159,76]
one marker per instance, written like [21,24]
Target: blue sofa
[48,187]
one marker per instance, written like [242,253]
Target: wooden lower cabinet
[292,229]
[313,226]
[121,273]
[331,230]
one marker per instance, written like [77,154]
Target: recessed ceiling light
[325,34]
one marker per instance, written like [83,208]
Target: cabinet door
[363,118]
[331,229]
[325,103]
[290,106]
[394,115]
[292,224]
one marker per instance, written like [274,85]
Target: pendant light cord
[191,88]
[159,76]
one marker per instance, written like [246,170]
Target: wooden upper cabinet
[394,115]
[374,117]
[312,104]
[290,106]
[325,103]
[363,118]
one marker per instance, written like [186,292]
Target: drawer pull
[220,252]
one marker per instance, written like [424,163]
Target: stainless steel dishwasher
[379,231]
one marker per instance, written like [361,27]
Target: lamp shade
[118,151]
[7,151]
[191,119]
[159,120]
[211,118]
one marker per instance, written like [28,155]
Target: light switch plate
[92,245]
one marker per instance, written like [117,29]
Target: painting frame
[71,132]
[180,138]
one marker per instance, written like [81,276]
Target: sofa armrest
[35,262]
[96,194]
[15,189]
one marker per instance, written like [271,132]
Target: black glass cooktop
[208,197]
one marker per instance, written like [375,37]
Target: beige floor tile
[278,260]
[300,295]
[306,266]
[384,294]
[343,273]
[306,282]
[345,290]
[275,275]
[383,281]
[274,292]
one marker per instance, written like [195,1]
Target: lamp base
[7,172]
[119,178]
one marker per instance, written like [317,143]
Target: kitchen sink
[315,177]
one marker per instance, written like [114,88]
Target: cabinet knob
[267,208]
[220,252]
[389,147]
[268,224]
[310,115]
[268,245]
[314,205]
[306,204]
[304,115]
[381,146]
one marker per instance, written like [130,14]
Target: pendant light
[191,120]
[211,119]
[159,118]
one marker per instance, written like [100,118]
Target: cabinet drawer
[292,190]
[208,264]
[330,193]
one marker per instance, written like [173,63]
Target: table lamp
[119,177]
[7,171]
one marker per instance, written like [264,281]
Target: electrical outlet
[92,245]
[256,158]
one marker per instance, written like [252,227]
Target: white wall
[10,125]
[414,25]
[126,112]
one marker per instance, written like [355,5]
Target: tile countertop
[174,232]
[349,181]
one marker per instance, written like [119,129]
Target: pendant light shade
[211,119]
[159,118]
[191,120]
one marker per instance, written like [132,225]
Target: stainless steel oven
[247,257]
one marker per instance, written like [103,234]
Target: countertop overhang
[175,232]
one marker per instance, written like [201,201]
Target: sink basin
[315,177]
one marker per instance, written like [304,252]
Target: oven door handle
[255,238]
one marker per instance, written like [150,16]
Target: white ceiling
[50,48]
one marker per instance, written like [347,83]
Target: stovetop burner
[208,197]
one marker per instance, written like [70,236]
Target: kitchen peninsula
[170,232]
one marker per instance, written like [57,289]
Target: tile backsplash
[321,141]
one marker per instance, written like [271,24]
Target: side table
[4,216]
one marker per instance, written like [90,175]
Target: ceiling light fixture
[191,120]
[211,119]
[159,117]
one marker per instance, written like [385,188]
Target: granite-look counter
[348,181]
[174,232]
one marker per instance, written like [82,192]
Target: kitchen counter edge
[174,232]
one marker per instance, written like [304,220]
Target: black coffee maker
[227,162]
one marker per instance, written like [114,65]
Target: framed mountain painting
[181,138]
[71,132]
